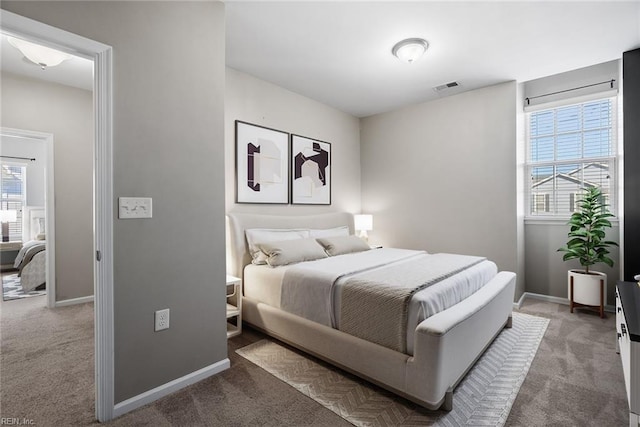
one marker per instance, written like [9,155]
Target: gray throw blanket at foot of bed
[375,304]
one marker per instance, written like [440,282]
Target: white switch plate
[134,207]
[162,320]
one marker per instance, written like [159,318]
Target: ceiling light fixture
[410,49]
[38,54]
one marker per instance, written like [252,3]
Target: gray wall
[441,175]
[256,101]
[586,76]
[169,81]
[67,113]
[546,273]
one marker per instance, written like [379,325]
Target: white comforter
[312,289]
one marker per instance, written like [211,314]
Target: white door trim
[49,206]
[101,54]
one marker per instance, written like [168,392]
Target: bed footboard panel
[448,343]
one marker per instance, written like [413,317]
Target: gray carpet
[46,374]
[484,397]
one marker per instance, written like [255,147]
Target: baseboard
[557,300]
[74,301]
[168,388]
[518,304]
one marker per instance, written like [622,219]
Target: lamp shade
[8,215]
[363,222]
[41,55]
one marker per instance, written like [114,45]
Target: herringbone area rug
[484,397]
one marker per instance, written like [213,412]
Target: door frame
[49,205]
[101,54]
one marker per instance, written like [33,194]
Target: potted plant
[588,245]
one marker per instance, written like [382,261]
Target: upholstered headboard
[237,253]
[32,217]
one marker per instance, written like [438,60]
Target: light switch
[134,207]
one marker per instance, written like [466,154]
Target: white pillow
[292,251]
[330,232]
[267,235]
[343,245]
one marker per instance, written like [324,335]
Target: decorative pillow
[292,251]
[330,232]
[343,245]
[267,235]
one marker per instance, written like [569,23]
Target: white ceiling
[339,53]
[76,72]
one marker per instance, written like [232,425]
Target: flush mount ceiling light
[40,55]
[410,49]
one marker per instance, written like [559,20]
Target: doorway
[28,259]
[101,55]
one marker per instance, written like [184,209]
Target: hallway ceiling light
[40,55]
[409,50]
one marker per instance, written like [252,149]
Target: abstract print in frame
[262,169]
[310,171]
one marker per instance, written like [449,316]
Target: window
[540,202]
[13,195]
[570,148]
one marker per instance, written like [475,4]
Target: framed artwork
[262,165]
[310,171]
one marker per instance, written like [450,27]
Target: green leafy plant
[586,236]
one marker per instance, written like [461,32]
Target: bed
[420,357]
[31,261]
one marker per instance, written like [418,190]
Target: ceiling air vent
[445,87]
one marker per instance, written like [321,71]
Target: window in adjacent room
[571,148]
[13,197]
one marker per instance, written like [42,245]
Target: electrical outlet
[162,319]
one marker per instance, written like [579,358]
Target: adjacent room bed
[411,322]
[31,260]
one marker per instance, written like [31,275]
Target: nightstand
[234,306]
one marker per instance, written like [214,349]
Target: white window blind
[571,148]
[13,197]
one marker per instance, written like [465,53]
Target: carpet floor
[46,375]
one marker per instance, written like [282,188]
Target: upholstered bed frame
[446,344]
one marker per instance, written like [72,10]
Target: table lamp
[363,223]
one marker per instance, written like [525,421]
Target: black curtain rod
[33,159]
[611,82]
